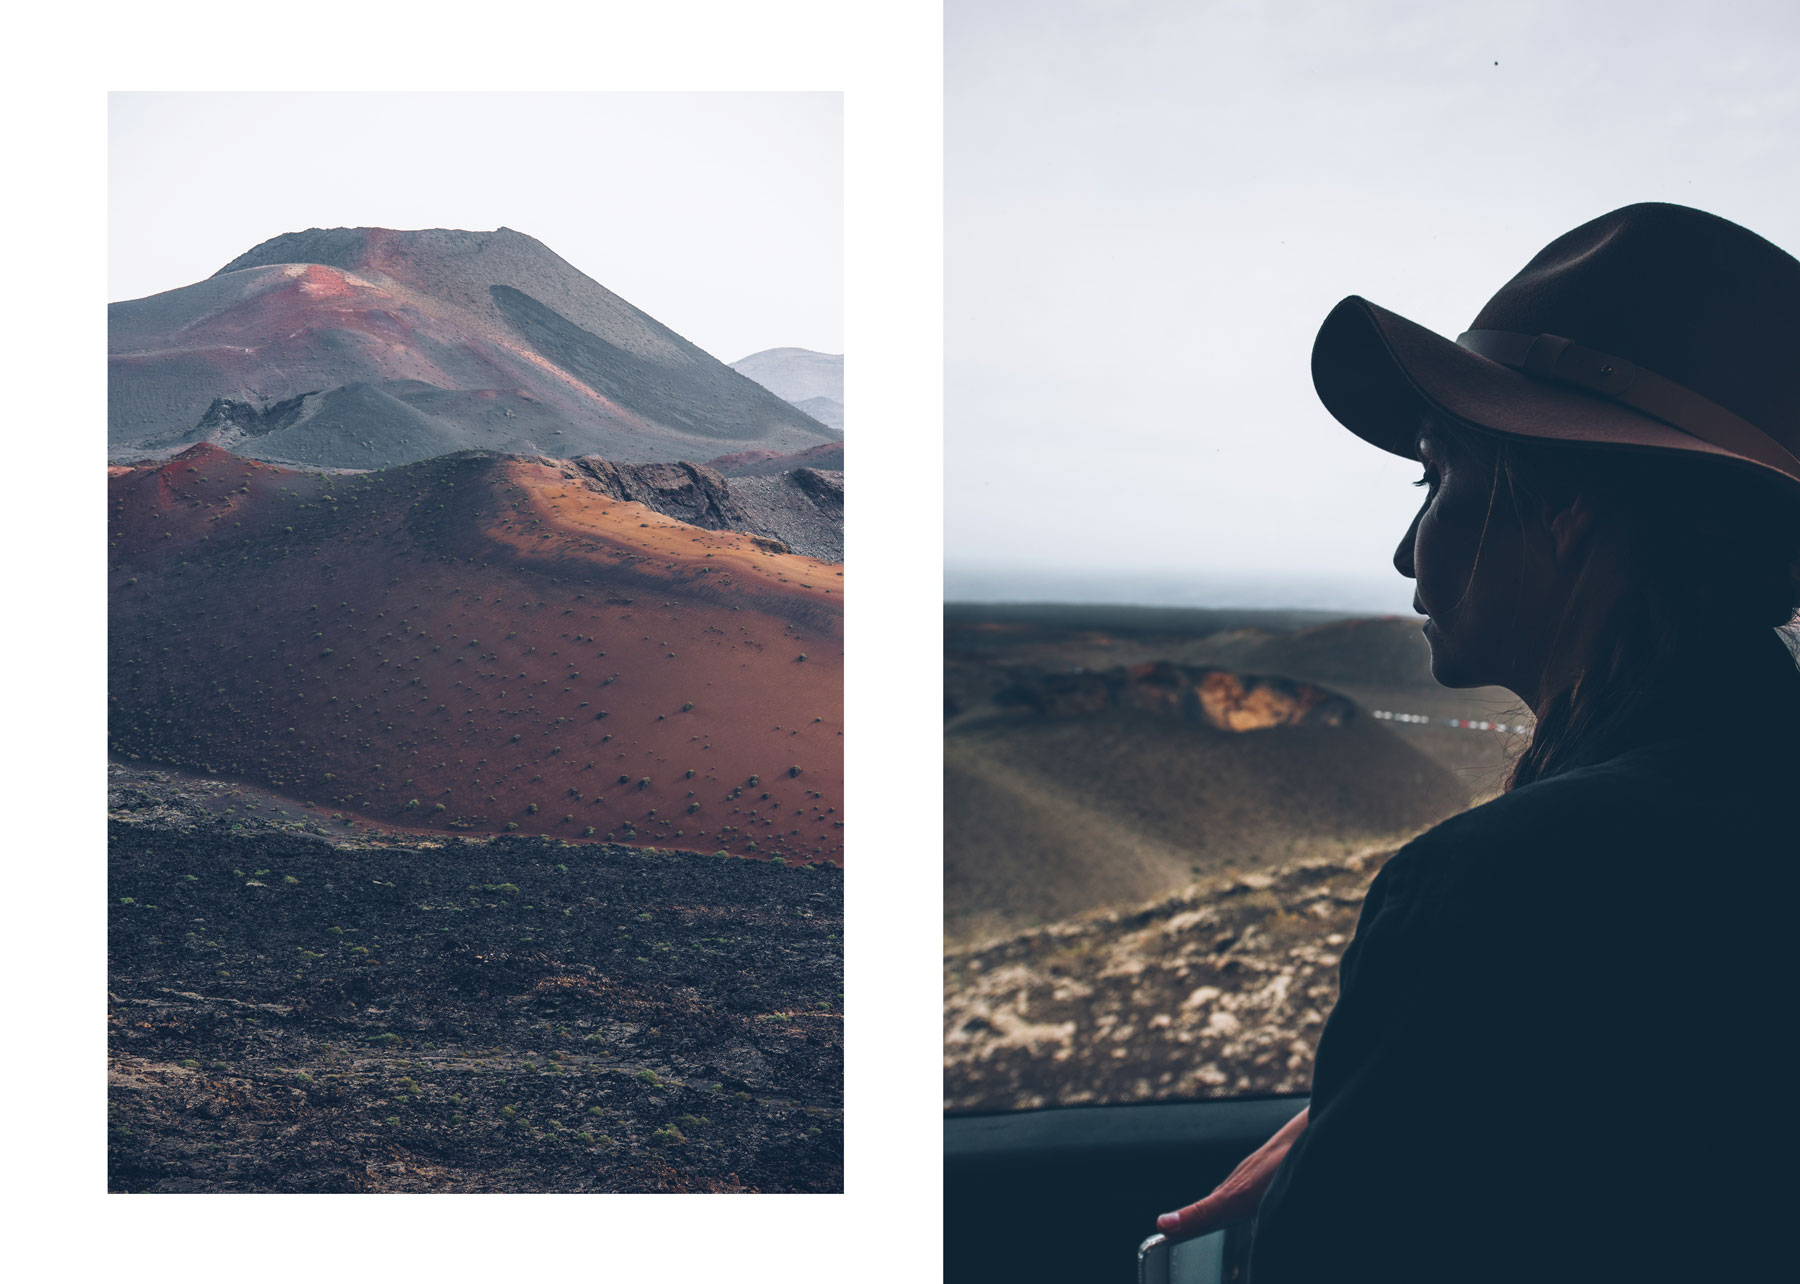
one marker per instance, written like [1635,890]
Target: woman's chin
[1445,670]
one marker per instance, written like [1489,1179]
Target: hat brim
[1377,372]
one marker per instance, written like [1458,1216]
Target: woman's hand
[1238,1195]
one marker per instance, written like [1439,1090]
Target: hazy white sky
[1151,206]
[721,215]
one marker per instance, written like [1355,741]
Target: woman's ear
[1569,528]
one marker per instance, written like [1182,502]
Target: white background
[887,59]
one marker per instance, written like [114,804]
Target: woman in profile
[1559,1049]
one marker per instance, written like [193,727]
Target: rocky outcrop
[227,418]
[803,508]
[692,493]
[1223,699]
[799,511]
[229,423]
[826,488]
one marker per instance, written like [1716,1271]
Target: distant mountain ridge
[367,347]
[813,381]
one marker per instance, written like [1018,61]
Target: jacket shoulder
[1642,833]
[1585,844]
[1603,802]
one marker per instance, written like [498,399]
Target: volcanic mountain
[813,381]
[366,347]
[477,643]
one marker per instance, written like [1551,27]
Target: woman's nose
[1403,552]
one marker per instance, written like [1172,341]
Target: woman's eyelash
[1427,480]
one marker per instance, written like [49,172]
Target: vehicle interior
[1068,1193]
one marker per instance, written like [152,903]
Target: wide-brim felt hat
[1655,327]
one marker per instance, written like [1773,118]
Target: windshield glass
[1159,826]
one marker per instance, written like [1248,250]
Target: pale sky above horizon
[1152,204]
[719,214]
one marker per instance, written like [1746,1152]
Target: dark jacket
[1559,1047]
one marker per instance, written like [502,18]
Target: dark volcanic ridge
[803,508]
[479,644]
[292,1011]
[828,457]
[366,347]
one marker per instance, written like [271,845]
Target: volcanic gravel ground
[1218,990]
[289,1011]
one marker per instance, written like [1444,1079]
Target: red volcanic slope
[477,643]
[423,343]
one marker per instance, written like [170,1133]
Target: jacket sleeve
[1359,1191]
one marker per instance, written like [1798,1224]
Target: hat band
[1560,360]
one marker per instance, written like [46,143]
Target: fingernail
[1168,1221]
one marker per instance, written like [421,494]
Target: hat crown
[1691,296]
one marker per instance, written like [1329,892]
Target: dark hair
[1691,562]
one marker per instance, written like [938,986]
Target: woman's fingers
[1197,1216]
[1232,1202]
[1237,1197]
